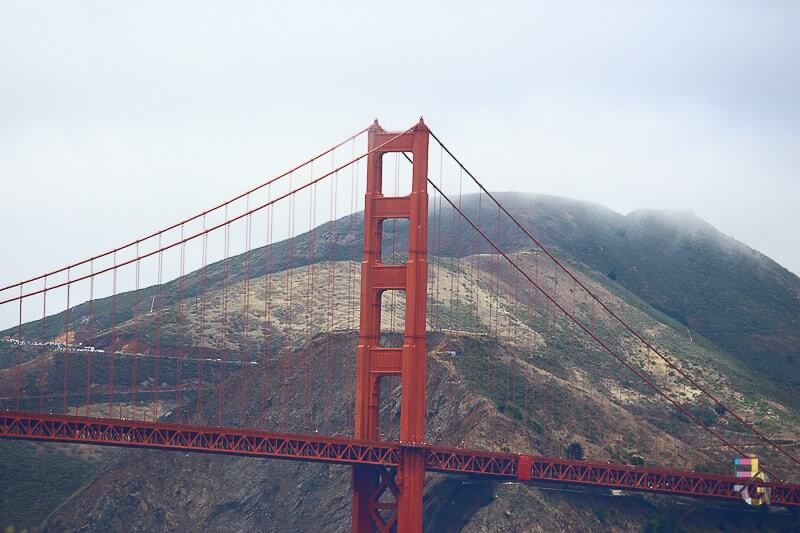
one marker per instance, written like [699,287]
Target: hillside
[466,405]
[663,272]
[739,299]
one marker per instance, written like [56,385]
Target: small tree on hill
[575,451]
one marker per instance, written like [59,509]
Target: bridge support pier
[411,485]
[385,500]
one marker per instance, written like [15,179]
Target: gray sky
[119,118]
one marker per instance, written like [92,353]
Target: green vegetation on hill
[35,478]
[734,296]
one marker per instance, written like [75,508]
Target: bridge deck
[254,443]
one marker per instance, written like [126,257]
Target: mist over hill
[736,297]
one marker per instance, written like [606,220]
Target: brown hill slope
[575,394]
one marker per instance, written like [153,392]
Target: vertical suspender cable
[18,368]
[244,351]
[181,334]
[43,340]
[156,385]
[136,341]
[309,311]
[267,312]
[328,374]
[203,354]
[113,348]
[66,344]
[224,348]
[90,339]
[287,359]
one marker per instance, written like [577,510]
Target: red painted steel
[650,479]
[209,439]
[384,456]
[374,362]
[524,468]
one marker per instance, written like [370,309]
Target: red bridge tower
[374,485]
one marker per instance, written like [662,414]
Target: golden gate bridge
[250,328]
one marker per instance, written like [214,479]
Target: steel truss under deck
[254,443]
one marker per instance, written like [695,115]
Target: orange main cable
[187,220]
[685,375]
[606,346]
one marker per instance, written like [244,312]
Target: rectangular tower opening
[397,173]
[393,318]
[394,241]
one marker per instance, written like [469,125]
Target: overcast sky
[117,118]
